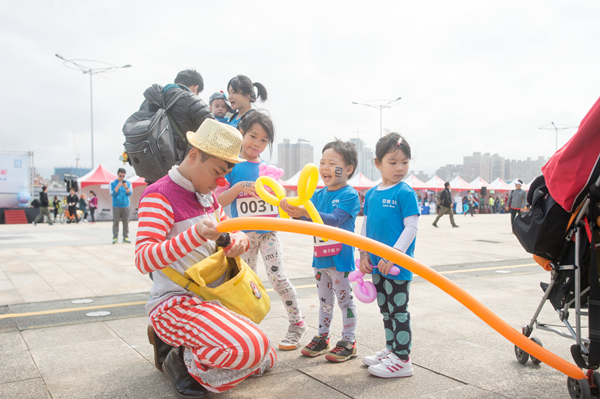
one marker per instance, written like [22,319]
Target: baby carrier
[562,231]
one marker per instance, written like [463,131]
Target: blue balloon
[23,197]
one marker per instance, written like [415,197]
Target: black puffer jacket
[188,112]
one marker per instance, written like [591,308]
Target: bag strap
[168,106]
[181,280]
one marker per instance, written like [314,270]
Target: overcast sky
[473,75]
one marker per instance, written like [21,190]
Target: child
[177,229]
[391,217]
[338,206]
[257,130]
[241,96]
[219,106]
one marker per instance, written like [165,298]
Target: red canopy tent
[478,183]
[360,182]
[460,184]
[499,185]
[435,184]
[574,167]
[98,181]
[137,181]
[415,183]
[98,176]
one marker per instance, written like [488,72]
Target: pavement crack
[324,383]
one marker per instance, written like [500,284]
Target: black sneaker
[343,351]
[316,347]
[435,225]
[456,225]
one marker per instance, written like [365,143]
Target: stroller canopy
[574,167]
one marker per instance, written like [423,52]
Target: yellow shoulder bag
[242,291]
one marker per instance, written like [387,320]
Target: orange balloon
[386,252]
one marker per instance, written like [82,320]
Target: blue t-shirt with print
[244,204]
[385,210]
[223,120]
[346,199]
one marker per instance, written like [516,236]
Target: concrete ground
[53,348]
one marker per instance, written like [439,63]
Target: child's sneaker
[343,351]
[293,337]
[316,347]
[376,358]
[392,367]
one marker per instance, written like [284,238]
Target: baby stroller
[562,231]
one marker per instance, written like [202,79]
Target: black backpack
[542,230]
[151,143]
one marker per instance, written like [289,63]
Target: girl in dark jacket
[83,207]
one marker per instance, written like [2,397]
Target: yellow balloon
[307,184]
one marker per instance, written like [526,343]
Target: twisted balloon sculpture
[307,184]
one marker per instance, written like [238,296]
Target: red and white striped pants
[225,349]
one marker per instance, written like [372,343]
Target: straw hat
[217,139]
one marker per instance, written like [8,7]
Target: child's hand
[384,266]
[365,263]
[239,246]
[293,211]
[207,229]
[248,188]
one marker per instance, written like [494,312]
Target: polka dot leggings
[392,298]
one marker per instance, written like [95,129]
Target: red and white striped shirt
[167,237]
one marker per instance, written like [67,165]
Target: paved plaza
[51,349]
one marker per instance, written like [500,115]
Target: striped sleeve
[152,250]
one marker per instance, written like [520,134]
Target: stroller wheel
[522,356]
[579,389]
[535,360]
[596,390]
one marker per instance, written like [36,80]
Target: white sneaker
[293,337]
[392,367]
[376,358]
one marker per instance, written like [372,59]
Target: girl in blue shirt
[242,95]
[338,205]
[391,217]
[257,129]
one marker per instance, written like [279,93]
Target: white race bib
[326,248]
[250,206]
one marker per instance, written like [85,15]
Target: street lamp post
[556,128]
[75,65]
[389,104]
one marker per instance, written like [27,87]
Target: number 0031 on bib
[250,206]
[326,248]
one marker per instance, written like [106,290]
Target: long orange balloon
[372,246]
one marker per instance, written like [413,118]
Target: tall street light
[75,65]
[388,104]
[556,128]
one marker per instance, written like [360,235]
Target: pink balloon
[270,170]
[365,291]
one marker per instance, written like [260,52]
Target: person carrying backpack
[445,202]
[155,135]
